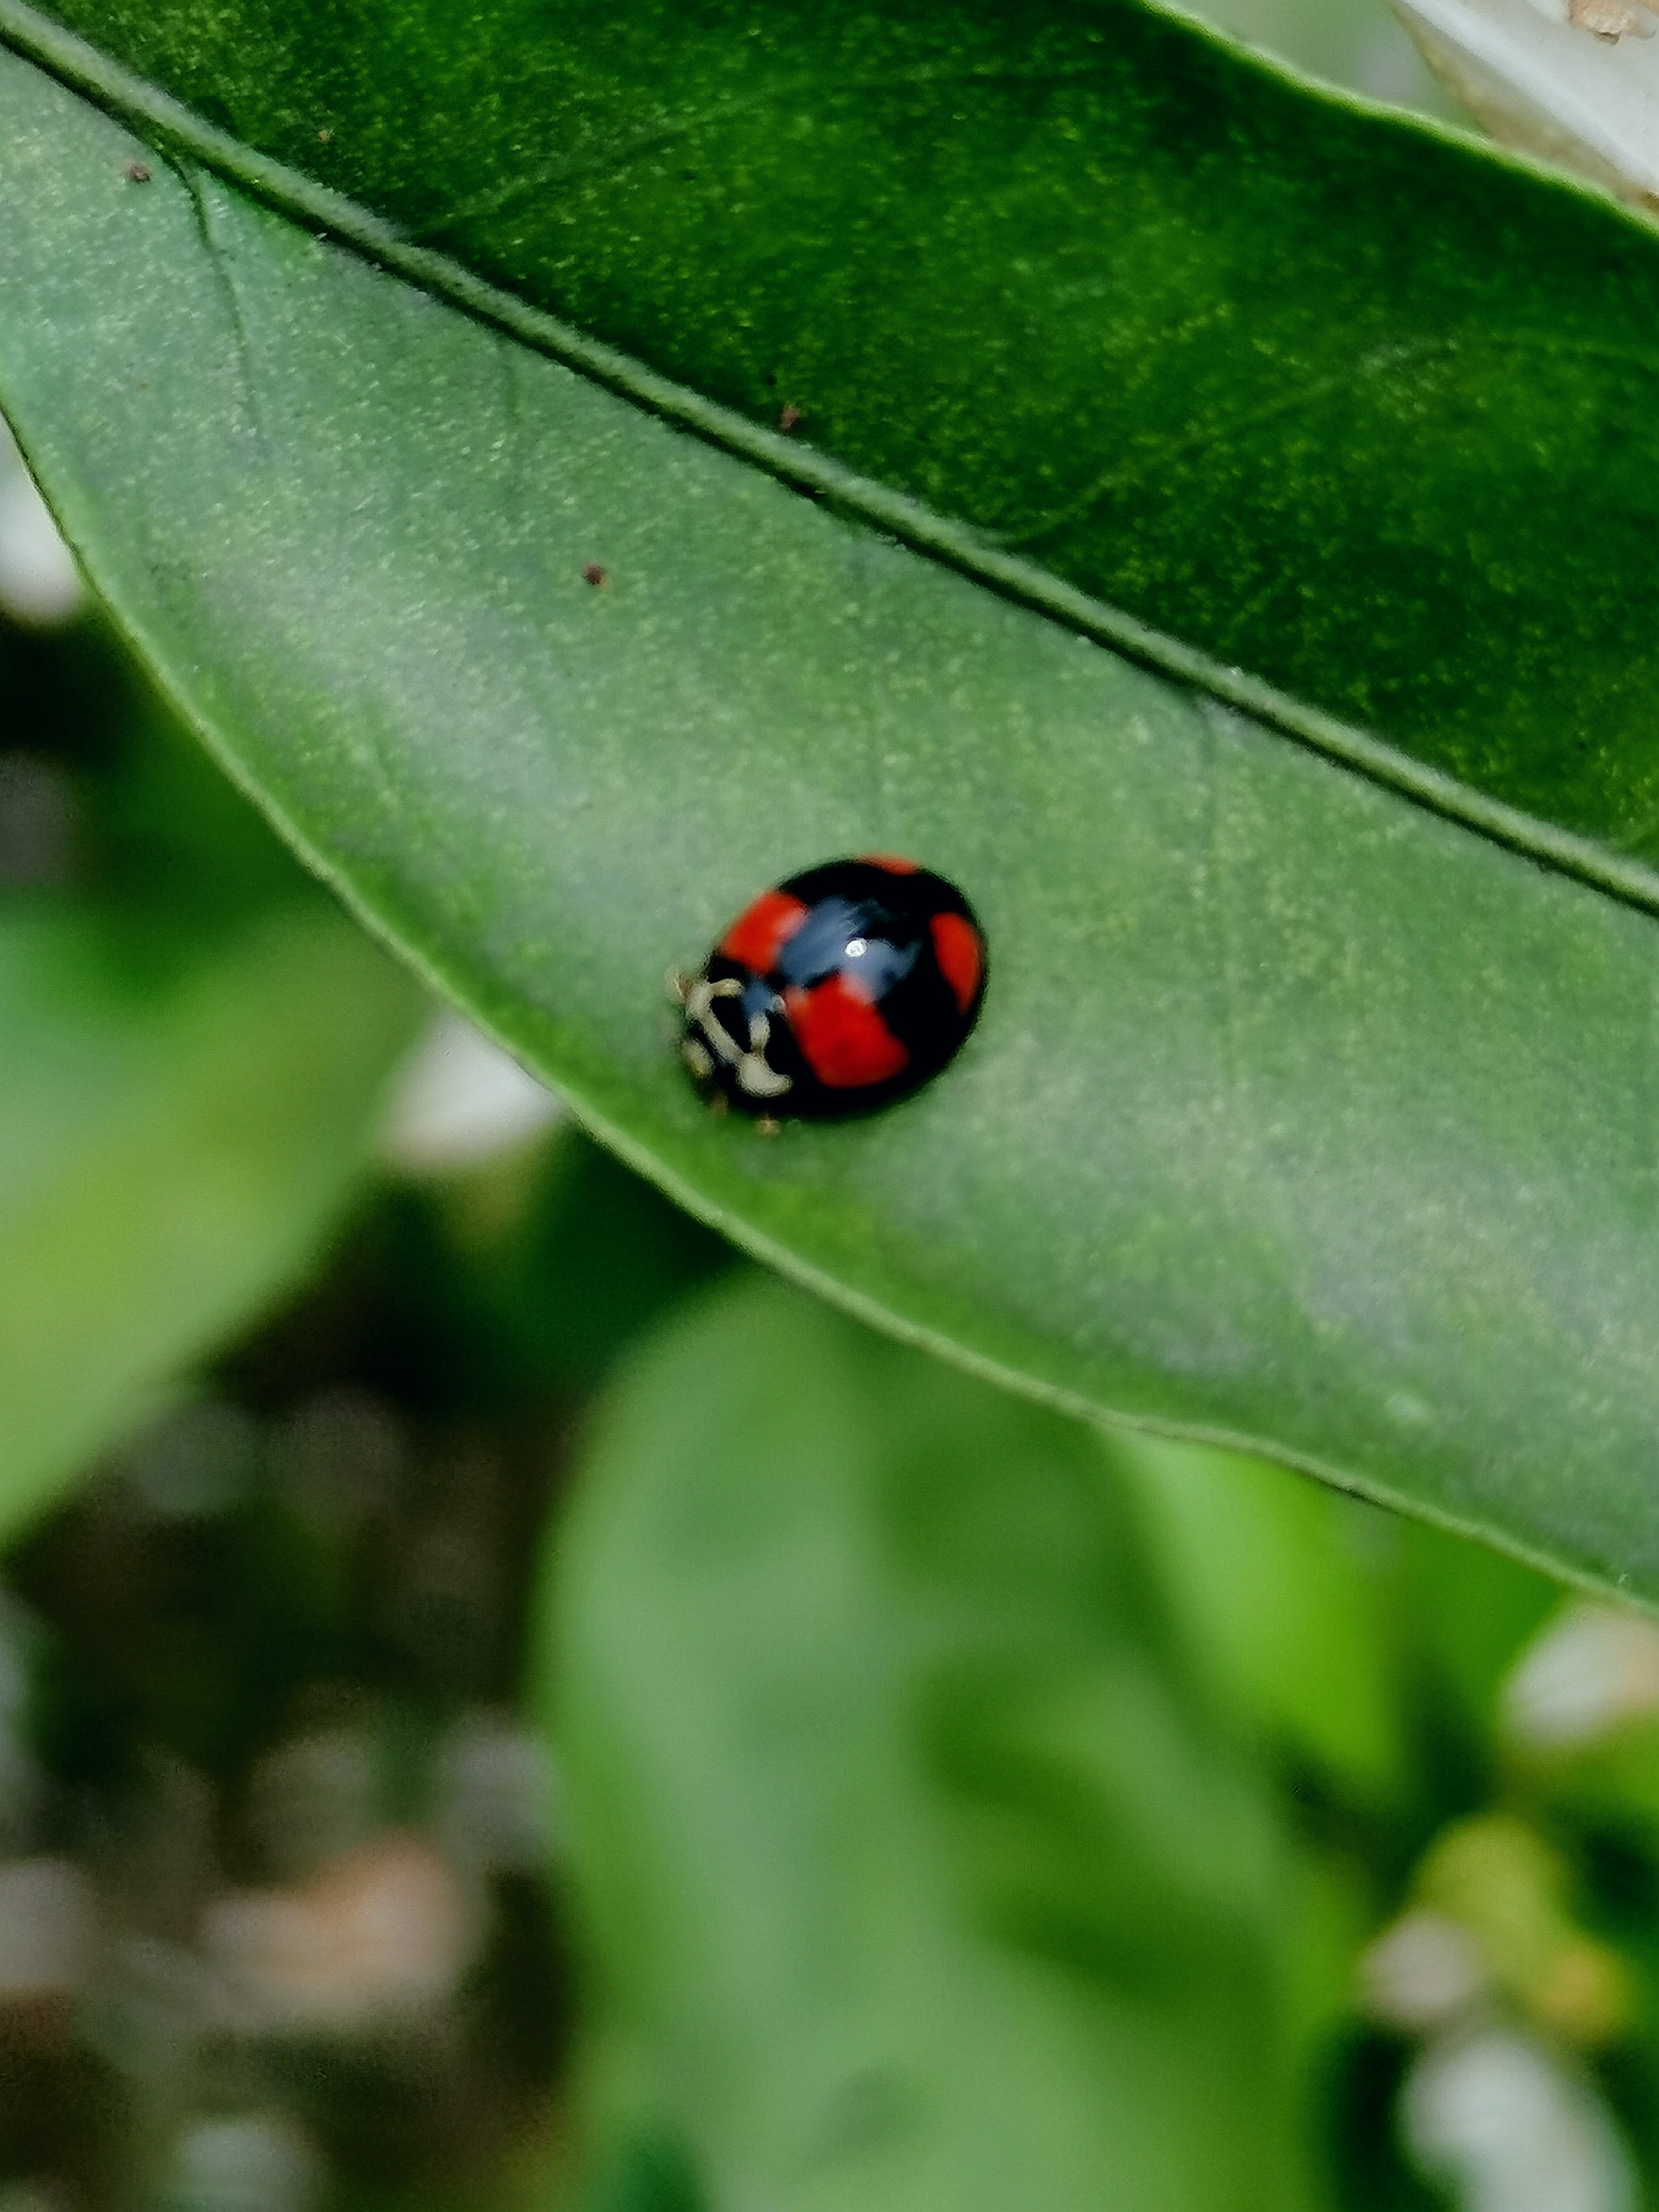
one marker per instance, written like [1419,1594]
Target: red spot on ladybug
[761,931]
[843,1041]
[842,989]
[955,946]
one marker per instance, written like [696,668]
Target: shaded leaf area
[916,1873]
[192,1052]
[1296,1115]
[1359,410]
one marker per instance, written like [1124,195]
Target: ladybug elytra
[842,989]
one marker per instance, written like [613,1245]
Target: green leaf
[1285,1613]
[914,1877]
[1361,410]
[173,1144]
[1301,1114]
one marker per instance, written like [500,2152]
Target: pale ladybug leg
[700,999]
[755,1072]
[765,1126]
[678,986]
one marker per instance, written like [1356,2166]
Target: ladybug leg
[700,999]
[755,1072]
[765,1126]
[677,986]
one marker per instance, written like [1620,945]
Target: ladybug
[842,989]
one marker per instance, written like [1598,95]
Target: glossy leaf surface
[913,1874]
[1330,398]
[1299,1114]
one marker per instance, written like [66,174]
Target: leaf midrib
[173,131]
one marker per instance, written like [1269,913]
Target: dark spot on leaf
[789,417]
[138,173]
[593,574]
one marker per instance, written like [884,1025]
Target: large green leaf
[1331,398]
[913,1874]
[1301,1112]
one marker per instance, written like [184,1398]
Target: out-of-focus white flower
[461,1100]
[247,2162]
[497,1809]
[1495,2117]
[1592,1670]
[382,1934]
[1575,80]
[1423,1971]
[39,580]
[46,1928]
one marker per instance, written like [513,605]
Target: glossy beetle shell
[838,991]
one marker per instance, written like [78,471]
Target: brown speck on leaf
[789,417]
[138,173]
[1610,20]
[324,137]
[593,574]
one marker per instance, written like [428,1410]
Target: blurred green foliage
[193,1049]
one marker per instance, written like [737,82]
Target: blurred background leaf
[916,1875]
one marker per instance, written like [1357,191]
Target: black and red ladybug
[842,989]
